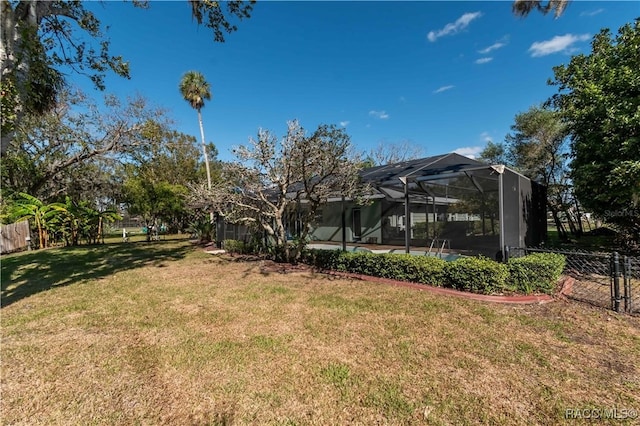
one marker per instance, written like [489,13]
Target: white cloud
[469,151]
[454,27]
[494,46]
[443,89]
[483,60]
[486,137]
[382,115]
[344,123]
[592,12]
[557,44]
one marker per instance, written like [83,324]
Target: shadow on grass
[26,274]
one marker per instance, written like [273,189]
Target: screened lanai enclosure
[441,203]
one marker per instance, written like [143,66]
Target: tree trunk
[562,233]
[280,234]
[572,226]
[15,26]
[40,236]
[10,37]
[206,158]
[579,216]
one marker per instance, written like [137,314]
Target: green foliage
[536,273]
[27,206]
[44,40]
[78,220]
[202,229]
[599,99]
[8,105]
[154,200]
[322,259]
[195,89]
[337,374]
[494,153]
[76,148]
[536,144]
[235,246]
[477,275]
[404,267]
[72,220]
[522,8]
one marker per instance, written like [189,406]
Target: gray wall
[330,227]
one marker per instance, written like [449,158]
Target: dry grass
[175,336]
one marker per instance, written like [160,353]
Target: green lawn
[162,333]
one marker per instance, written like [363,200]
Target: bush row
[535,273]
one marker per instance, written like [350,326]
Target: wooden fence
[14,236]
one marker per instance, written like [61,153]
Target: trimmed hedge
[536,272]
[477,275]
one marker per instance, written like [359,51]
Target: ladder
[445,243]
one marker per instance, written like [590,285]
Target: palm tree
[195,89]
[524,7]
[29,207]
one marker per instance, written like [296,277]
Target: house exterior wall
[371,217]
[329,227]
[525,211]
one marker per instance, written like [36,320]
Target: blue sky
[445,76]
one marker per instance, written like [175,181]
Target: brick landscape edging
[566,284]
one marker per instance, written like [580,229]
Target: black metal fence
[608,280]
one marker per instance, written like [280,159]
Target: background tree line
[58,148]
[584,142]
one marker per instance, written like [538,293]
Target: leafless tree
[271,179]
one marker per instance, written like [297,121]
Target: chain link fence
[631,276]
[608,280]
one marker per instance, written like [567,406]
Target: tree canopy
[390,152]
[74,143]
[40,38]
[156,179]
[599,99]
[537,148]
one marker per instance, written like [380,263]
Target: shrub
[323,259]
[235,246]
[477,274]
[404,267]
[421,269]
[359,263]
[536,272]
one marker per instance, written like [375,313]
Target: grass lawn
[164,333]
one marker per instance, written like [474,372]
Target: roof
[442,178]
[438,164]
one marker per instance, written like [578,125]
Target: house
[445,200]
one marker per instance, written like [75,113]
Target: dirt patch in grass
[208,340]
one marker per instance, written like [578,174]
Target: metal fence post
[627,283]
[616,281]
